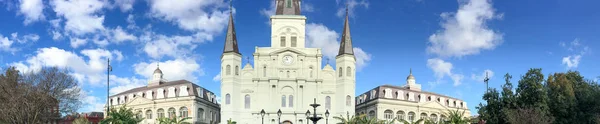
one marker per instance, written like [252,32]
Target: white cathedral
[287,76]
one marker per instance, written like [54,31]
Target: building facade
[286,76]
[407,102]
[92,117]
[162,98]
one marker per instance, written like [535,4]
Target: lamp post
[307,115]
[326,116]
[262,115]
[279,116]
[314,118]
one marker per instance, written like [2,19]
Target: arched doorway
[287,122]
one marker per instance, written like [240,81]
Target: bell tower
[288,25]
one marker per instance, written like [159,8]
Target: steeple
[231,44]
[287,7]
[346,42]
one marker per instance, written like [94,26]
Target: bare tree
[38,97]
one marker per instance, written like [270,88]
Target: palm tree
[231,122]
[408,122]
[348,120]
[457,117]
[123,115]
[173,120]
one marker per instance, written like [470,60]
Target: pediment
[139,101]
[286,50]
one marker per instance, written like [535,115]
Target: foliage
[231,122]
[408,122]
[174,120]
[457,117]
[122,115]
[81,120]
[362,119]
[348,120]
[573,99]
[37,97]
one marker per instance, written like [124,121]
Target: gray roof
[190,85]
[231,44]
[291,8]
[157,70]
[346,42]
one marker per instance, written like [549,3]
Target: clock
[288,60]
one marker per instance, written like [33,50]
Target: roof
[157,70]
[190,85]
[426,92]
[287,7]
[231,44]
[346,42]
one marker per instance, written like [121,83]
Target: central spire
[346,42]
[287,7]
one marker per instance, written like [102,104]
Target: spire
[287,7]
[410,76]
[346,42]
[231,44]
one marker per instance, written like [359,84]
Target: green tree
[531,92]
[528,116]
[587,93]
[175,120]
[457,117]
[492,111]
[122,115]
[508,99]
[562,97]
[231,122]
[348,120]
[81,120]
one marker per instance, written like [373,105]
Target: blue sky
[448,44]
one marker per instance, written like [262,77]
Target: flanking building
[162,98]
[408,102]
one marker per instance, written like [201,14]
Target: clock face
[288,60]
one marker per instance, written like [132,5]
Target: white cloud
[125,5]
[442,68]
[465,32]
[91,103]
[217,78]
[90,70]
[119,35]
[177,69]
[7,43]
[158,45]
[82,16]
[77,42]
[268,12]
[480,77]
[120,84]
[319,36]
[571,61]
[32,10]
[352,5]
[577,50]
[192,15]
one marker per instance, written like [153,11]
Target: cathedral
[287,76]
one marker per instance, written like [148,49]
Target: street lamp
[307,115]
[279,116]
[326,116]
[262,115]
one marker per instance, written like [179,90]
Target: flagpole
[108,69]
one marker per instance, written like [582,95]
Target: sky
[449,45]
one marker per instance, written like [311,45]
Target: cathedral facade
[286,76]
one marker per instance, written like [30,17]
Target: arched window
[341,72]
[423,116]
[348,100]
[293,38]
[282,41]
[328,102]
[200,114]
[138,114]
[227,99]
[183,112]
[372,114]
[400,115]
[228,70]
[247,101]
[160,113]
[283,101]
[411,116]
[291,101]
[388,114]
[149,114]
[348,71]
[265,71]
[434,118]
[237,70]
[172,112]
